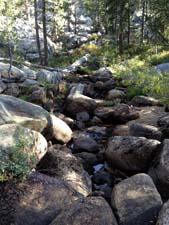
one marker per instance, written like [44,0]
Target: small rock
[86,144]
[102,74]
[136,200]
[115,94]
[116,114]
[83,116]
[144,130]
[145,101]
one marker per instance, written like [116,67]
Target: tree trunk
[45,61]
[129,30]
[121,41]
[37,32]
[143,21]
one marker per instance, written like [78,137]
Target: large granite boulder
[16,74]
[65,165]
[14,110]
[92,210]
[41,199]
[20,150]
[132,154]
[49,77]
[136,201]
[159,170]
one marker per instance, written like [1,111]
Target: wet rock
[60,130]
[115,94]
[86,144]
[116,114]
[136,200]
[159,171]
[145,101]
[77,102]
[132,154]
[92,210]
[144,130]
[163,218]
[64,165]
[41,199]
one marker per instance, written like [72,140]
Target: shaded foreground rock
[136,201]
[41,198]
[159,171]
[116,114]
[144,130]
[65,165]
[163,218]
[92,210]
[131,154]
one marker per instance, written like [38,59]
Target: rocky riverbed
[100,159]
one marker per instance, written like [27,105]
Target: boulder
[64,165]
[14,110]
[3,86]
[49,77]
[86,144]
[144,130]
[92,210]
[115,94]
[136,201]
[163,67]
[102,74]
[145,101]
[16,74]
[30,74]
[132,154]
[77,102]
[159,170]
[41,199]
[20,150]
[82,116]
[163,217]
[117,114]
[60,130]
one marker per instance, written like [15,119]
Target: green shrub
[18,163]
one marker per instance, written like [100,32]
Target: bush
[18,163]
